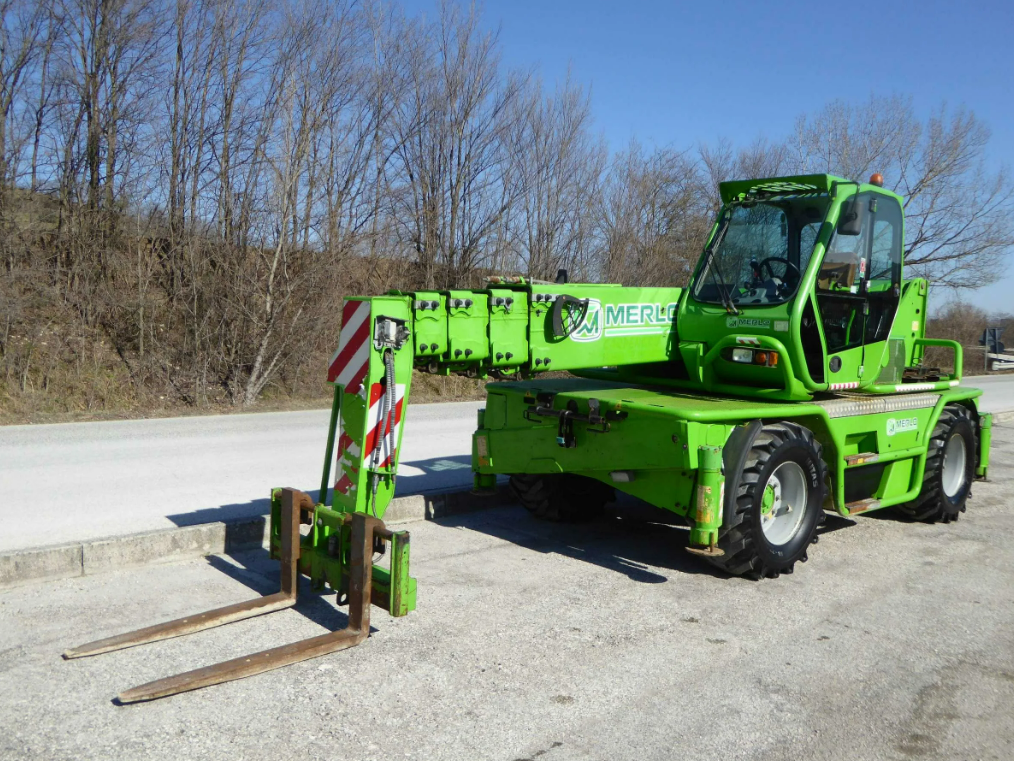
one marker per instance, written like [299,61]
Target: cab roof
[799,184]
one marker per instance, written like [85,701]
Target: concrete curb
[62,561]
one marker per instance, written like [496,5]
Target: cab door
[858,289]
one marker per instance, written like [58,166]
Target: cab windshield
[760,251]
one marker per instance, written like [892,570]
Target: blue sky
[682,73]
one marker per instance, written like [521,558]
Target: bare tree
[198,182]
[558,166]
[22,37]
[959,222]
[654,216]
[449,134]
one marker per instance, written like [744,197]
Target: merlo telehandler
[789,379]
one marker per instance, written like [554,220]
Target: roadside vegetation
[188,189]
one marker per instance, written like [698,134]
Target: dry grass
[109,395]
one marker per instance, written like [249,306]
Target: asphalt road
[79,481]
[997,391]
[604,641]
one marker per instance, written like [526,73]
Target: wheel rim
[783,504]
[955,460]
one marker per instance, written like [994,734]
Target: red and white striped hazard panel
[349,364]
[348,457]
[379,426]
[349,451]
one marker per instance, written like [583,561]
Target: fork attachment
[346,563]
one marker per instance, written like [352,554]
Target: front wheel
[778,504]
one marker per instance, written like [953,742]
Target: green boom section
[531,328]
[510,330]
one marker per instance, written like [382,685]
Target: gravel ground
[533,641]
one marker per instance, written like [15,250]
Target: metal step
[862,506]
[864,458]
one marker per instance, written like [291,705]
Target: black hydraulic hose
[385,421]
[392,406]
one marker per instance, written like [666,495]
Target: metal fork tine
[245,666]
[188,625]
[286,598]
[358,629]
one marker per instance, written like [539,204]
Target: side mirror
[851,220]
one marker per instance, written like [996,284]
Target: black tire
[934,503]
[748,550]
[565,497]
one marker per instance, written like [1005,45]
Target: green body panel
[657,443]
[508,327]
[429,315]
[467,326]
[622,326]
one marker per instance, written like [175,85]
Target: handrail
[959,352]
[767,343]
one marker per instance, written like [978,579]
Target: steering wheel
[788,265]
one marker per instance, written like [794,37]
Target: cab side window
[844,262]
[807,240]
[885,251]
[884,274]
[839,281]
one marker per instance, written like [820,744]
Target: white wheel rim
[955,460]
[781,523]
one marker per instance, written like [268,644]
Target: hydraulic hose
[386,421]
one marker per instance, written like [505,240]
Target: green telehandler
[786,381]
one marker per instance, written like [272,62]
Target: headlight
[762,357]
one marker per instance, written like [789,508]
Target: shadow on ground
[256,570]
[417,477]
[632,538]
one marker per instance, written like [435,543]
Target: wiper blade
[711,263]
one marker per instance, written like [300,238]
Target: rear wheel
[561,496]
[778,504]
[950,468]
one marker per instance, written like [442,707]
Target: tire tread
[738,538]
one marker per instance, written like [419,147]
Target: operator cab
[764,249]
[809,269]
[858,288]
